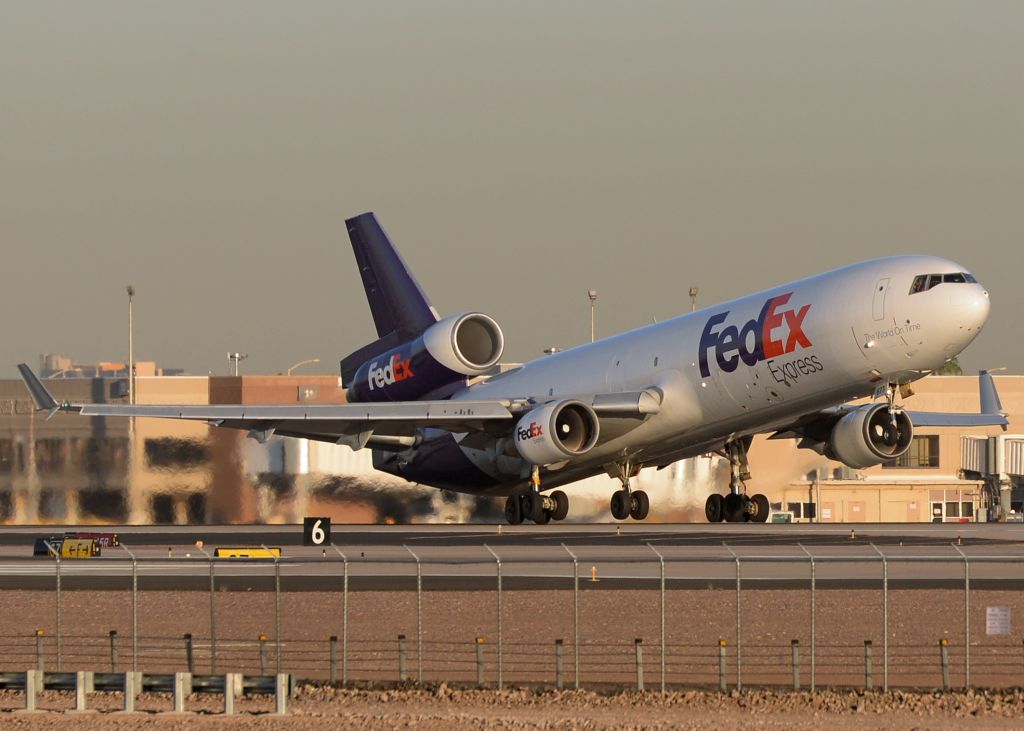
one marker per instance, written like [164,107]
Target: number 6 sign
[316,531]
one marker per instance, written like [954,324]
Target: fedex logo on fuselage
[393,371]
[775,332]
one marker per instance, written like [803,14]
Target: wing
[390,425]
[383,424]
[816,427]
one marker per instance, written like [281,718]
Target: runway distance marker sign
[316,531]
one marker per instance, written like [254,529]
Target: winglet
[989,397]
[43,398]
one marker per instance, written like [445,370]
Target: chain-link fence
[655,616]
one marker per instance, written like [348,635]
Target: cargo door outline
[881,294]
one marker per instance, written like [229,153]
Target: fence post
[277,610]
[558,664]
[39,650]
[131,690]
[56,558]
[401,658]
[944,659]
[419,616]
[344,618]
[113,650]
[262,639]
[661,562]
[33,684]
[229,693]
[575,614]
[480,662]
[795,645]
[868,666]
[501,627]
[721,665]
[638,644]
[814,616]
[80,690]
[967,617]
[190,658]
[885,618]
[333,657]
[739,641]
[135,612]
[213,616]
[281,694]
[180,690]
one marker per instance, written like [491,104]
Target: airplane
[786,361]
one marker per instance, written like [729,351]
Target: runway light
[618,530]
[853,534]
[199,543]
[958,541]
[593,573]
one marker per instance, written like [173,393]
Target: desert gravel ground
[444,708]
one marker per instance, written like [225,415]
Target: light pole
[592,295]
[131,346]
[693,299]
[235,358]
[302,363]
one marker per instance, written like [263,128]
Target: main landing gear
[737,507]
[629,504]
[532,505]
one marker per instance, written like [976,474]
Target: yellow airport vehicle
[247,552]
[79,548]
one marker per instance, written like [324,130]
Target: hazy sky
[517,152]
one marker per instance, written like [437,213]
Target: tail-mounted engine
[869,436]
[556,432]
[434,364]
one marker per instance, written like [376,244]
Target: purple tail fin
[400,308]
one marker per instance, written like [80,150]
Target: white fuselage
[745,365]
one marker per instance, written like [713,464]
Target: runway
[460,556]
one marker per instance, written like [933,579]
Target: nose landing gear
[737,507]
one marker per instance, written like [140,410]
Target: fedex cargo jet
[784,362]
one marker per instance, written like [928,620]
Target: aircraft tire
[714,510]
[533,506]
[513,510]
[561,505]
[620,504]
[733,508]
[640,505]
[545,517]
[761,509]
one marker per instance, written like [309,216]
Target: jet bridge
[999,461]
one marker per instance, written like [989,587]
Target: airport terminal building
[72,469]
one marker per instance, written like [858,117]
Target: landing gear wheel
[533,506]
[545,517]
[640,505]
[561,505]
[714,508]
[759,509]
[513,510]
[733,508]
[621,504]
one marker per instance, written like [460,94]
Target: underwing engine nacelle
[555,432]
[433,365]
[869,436]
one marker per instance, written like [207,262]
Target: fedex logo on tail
[393,371]
[776,331]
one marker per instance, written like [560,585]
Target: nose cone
[970,306]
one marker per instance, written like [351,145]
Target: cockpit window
[923,282]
